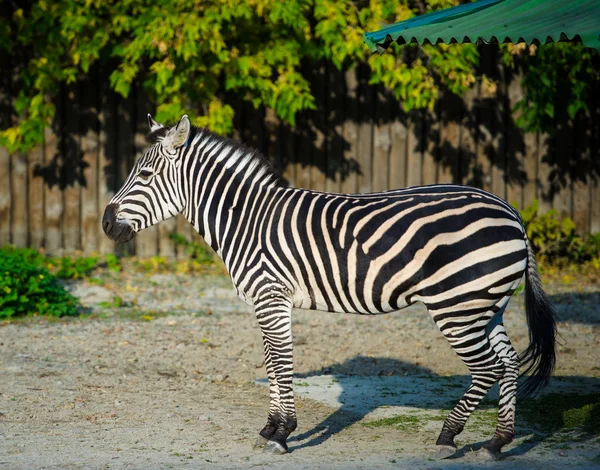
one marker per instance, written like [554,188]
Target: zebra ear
[154,126]
[179,135]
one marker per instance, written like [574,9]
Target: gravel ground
[168,380]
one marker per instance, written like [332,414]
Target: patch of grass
[117,302]
[563,412]
[402,423]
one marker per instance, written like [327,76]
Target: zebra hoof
[444,451]
[486,455]
[274,448]
[260,442]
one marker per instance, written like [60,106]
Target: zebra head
[151,193]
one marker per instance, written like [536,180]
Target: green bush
[28,288]
[67,267]
[113,263]
[556,240]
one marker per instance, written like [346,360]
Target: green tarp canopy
[490,21]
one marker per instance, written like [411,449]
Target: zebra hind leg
[505,429]
[474,348]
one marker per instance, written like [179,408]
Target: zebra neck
[224,196]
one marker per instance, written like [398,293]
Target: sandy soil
[170,380]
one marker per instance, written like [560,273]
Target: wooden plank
[450,117]
[365,130]
[5,158]
[335,129]
[304,138]
[431,129]
[530,167]
[124,157]
[5,196]
[319,150]
[272,141]
[470,172]
[71,189]
[287,153]
[414,149]
[35,205]
[595,159]
[514,145]
[498,143]
[582,173]
[399,146]
[146,242]
[382,141]
[53,161]
[18,209]
[350,133]
[544,191]
[182,228]
[106,154]
[487,103]
[166,247]
[91,229]
[564,154]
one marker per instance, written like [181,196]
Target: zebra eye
[145,174]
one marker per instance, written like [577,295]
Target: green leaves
[27,288]
[192,56]
[556,239]
[556,76]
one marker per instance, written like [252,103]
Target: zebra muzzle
[117,231]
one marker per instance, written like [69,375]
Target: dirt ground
[174,378]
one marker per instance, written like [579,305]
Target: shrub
[67,267]
[556,240]
[28,288]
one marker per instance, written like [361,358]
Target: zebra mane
[157,135]
[256,164]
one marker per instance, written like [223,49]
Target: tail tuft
[540,356]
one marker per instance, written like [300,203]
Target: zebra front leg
[274,318]
[270,427]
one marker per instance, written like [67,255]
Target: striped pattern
[459,250]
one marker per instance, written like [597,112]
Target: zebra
[460,251]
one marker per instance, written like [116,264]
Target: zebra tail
[540,356]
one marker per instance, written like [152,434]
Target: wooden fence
[358,140]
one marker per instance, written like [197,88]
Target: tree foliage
[192,54]
[554,75]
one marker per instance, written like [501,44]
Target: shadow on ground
[414,389]
[577,307]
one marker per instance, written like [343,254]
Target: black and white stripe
[459,250]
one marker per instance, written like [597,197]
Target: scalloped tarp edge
[531,21]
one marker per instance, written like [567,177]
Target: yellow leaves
[489,87]
[516,49]
[219,117]
[12,134]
